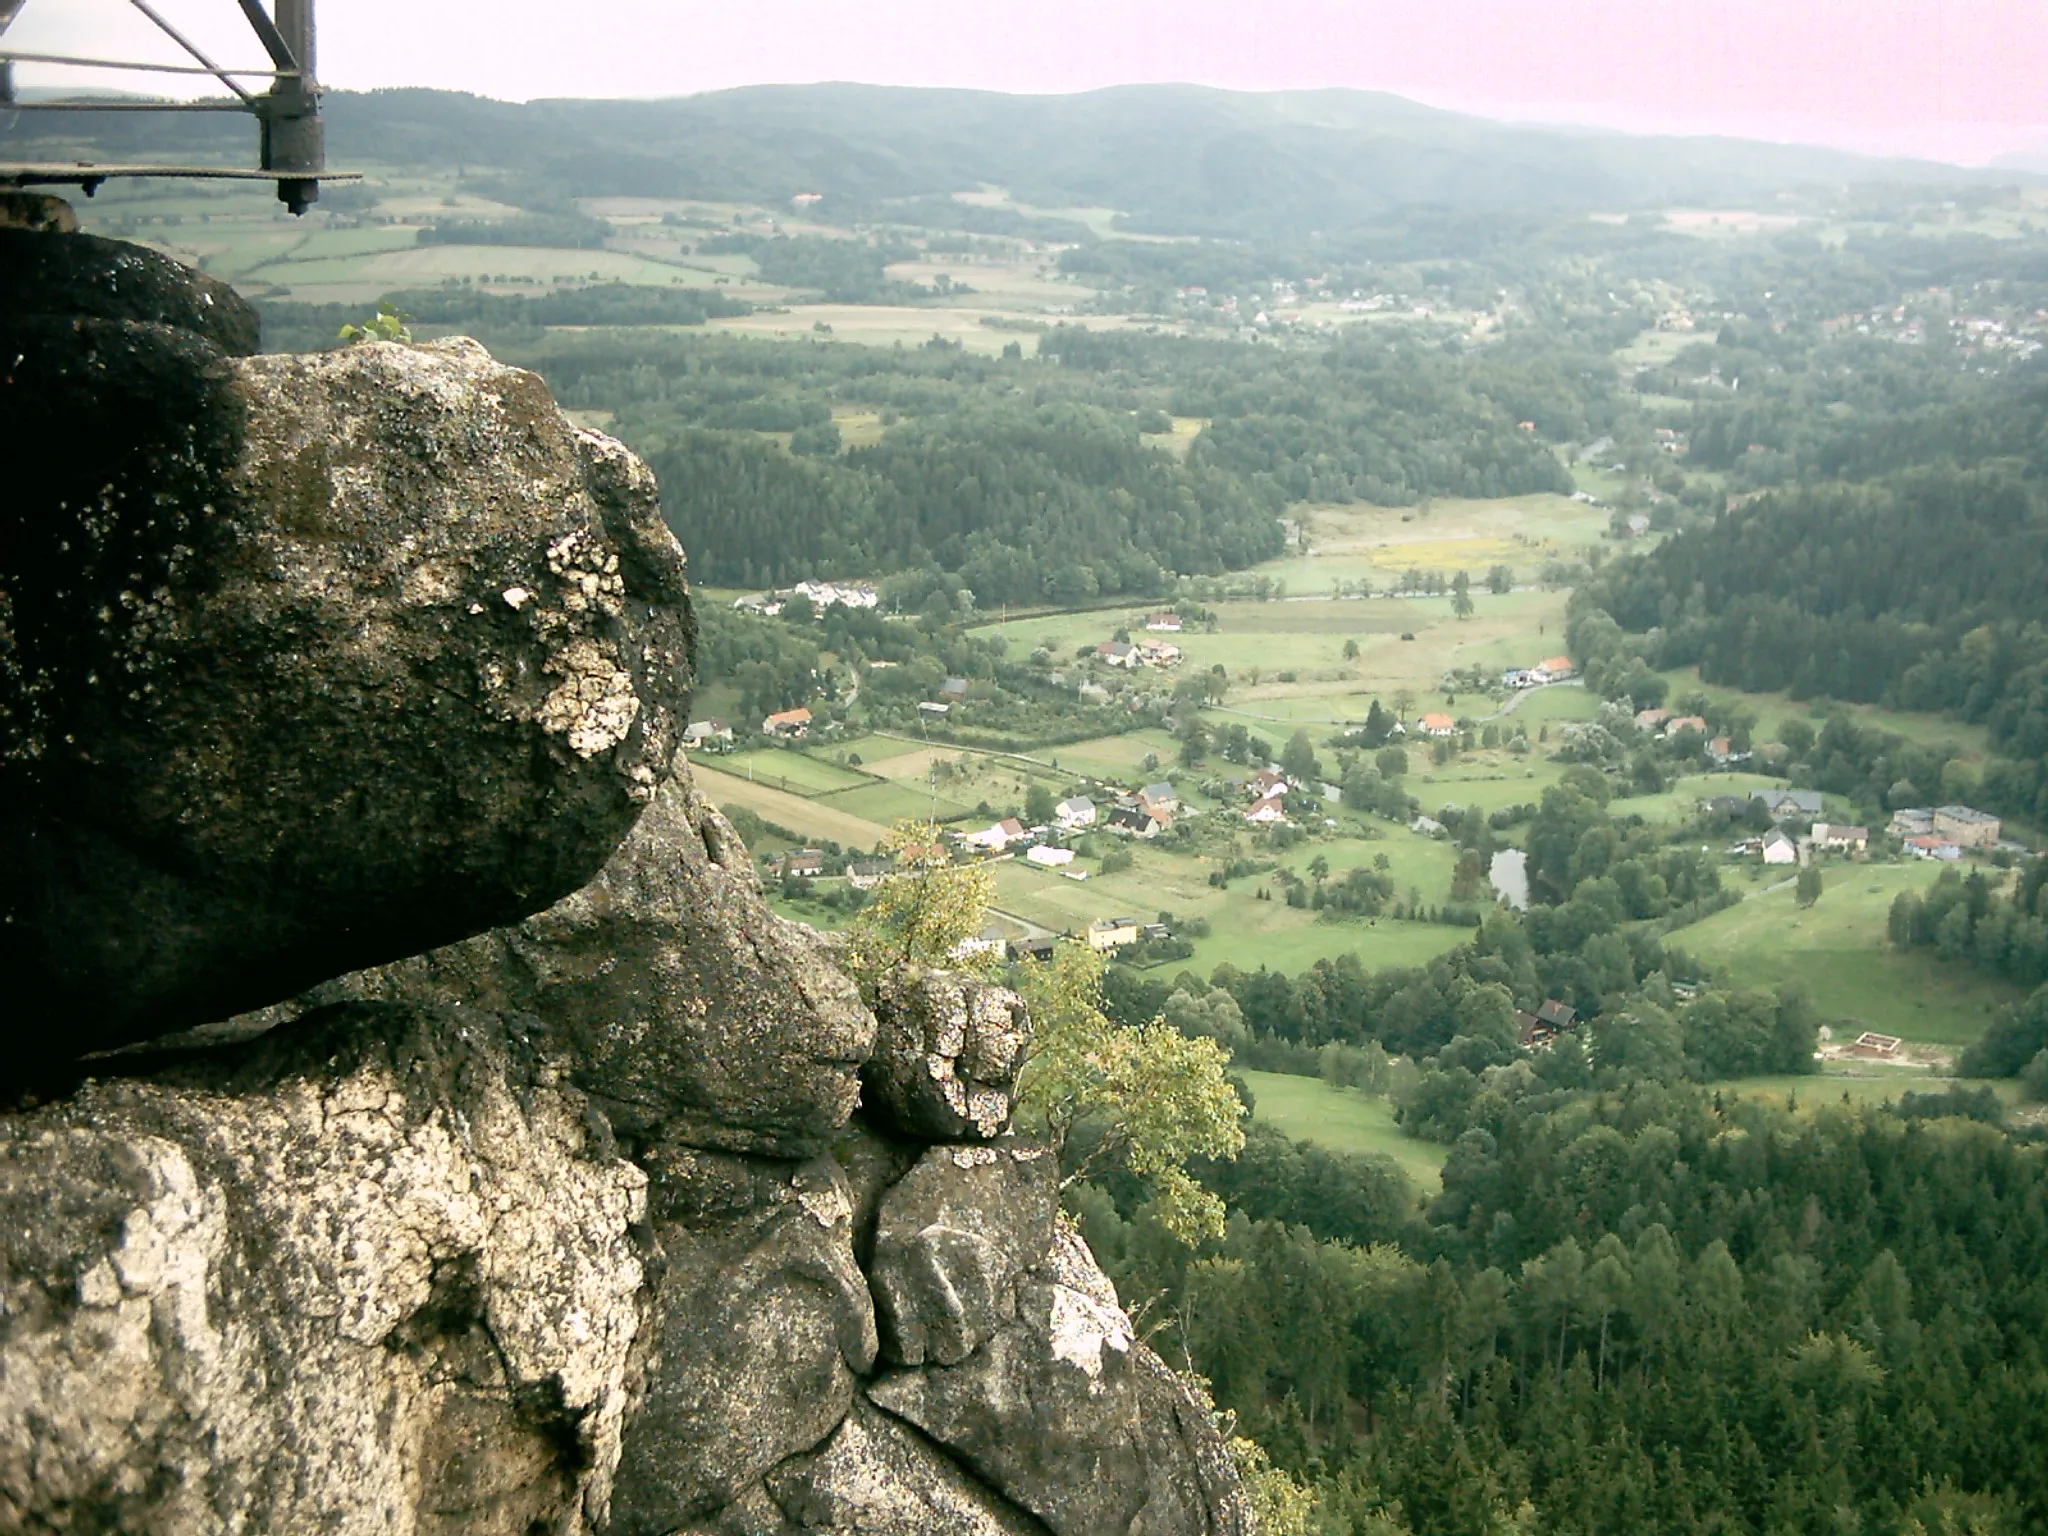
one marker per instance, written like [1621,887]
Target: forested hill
[1926,590]
[1174,158]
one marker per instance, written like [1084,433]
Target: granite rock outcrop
[537,1194]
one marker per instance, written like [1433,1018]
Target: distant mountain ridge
[1175,159]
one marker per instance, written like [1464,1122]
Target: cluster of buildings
[1944,832]
[1554,669]
[1665,726]
[1268,793]
[822,595]
[1143,653]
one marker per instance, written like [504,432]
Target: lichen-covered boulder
[761,1320]
[947,1056]
[370,1274]
[1068,1415]
[306,664]
[952,1239]
[693,1012]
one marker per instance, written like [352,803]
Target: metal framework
[287,111]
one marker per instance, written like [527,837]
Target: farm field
[807,818]
[1344,1120]
[1836,950]
[797,772]
[1256,642]
[1377,544]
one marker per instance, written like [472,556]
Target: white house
[707,736]
[1117,653]
[1075,813]
[1163,623]
[1779,847]
[1112,933]
[1840,839]
[996,837]
[1268,812]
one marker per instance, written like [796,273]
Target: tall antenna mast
[293,145]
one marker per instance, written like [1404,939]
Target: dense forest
[1636,1304]
[1634,1307]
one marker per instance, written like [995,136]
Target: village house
[1158,653]
[1117,653]
[1159,798]
[1541,1028]
[1075,813]
[866,874]
[1426,826]
[1112,932]
[804,862]
[1437,725]
[1127,815]
[1931,847]
[1268,812]
[990,941]
[793,724]
[996,837]
[1721,752]
[1789,804]
[1651,719]
[1163,623]
[1031,949]
[1839,839]
[1966,828]
[1264,784]
[707,736]
[1678,724]
[1778,847]
[1917,821]
[1554,670]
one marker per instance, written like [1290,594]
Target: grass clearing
[1837,951]
[1859,1083]
[1344,1120]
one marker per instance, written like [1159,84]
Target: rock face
[297,654]
[367,1275]
[561,1218]
[694,1013]
[948,1056]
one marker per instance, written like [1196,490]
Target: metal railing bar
[268,35]
[246,105]
[190,47]
[9,56]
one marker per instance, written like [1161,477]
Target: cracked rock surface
[536,1197]
[945,1067]
[366,1276]
[694,1013]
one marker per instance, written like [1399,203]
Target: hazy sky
[1958,79]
